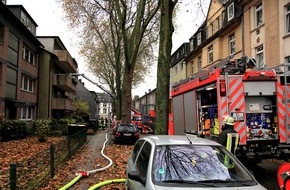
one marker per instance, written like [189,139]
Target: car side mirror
[135,175]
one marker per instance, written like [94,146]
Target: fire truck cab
[255,98]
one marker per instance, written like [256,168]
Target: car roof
[179,140]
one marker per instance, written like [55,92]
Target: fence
[36,171]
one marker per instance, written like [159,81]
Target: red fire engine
[255,98]
[144,120]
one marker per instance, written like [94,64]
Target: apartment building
[105,105]
[268,31]
[91,98]
[218,37]
[259,29]
[57,87]
[178,64]
[19,63]
[146,102]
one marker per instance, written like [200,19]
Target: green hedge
[17,129]
[12,130]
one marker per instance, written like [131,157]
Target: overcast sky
[49,18]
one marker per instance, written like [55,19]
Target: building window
[1,33]
[181,66]
[260,56]
[218,23]
[175,70]
[28,55]
[11,83]
[191,45]
[27,84]
[287,59]
[192,67]
[212,28]
[199,38]
[210,54]
[259,15]
[26,113]
[232,44]
[182,50]
[104,110]
[288,19]
[222,18]
[231,11]
[28,23]
[199,62]
[13,49]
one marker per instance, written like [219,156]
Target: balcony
[62,104]
[64,82]
[65,61]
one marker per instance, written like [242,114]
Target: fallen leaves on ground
[18,151]
[85,160]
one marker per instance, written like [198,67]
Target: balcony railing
[62,104]
[64,82]
[65,61]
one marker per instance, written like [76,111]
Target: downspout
[243,32]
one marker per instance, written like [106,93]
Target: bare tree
[118,39]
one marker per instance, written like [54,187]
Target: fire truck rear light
[223,90]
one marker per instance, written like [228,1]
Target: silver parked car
[162,162]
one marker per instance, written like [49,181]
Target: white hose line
[102,153]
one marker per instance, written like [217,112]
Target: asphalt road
[266,173]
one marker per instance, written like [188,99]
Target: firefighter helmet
[228,120]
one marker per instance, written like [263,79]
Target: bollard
[13,176]
[68,147]
[51,161]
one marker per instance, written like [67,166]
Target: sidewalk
[93,151]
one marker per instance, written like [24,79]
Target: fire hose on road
[107,182]
[83,174]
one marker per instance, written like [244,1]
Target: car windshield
[126,128]
[194,163]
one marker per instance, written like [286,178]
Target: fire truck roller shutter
[259,88]
[178,119]
[190,112]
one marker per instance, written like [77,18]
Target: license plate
[127,134]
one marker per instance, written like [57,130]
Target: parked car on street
[125,133]
[162,162]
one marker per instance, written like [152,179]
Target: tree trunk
[127,95]
[118,92]
[163,68]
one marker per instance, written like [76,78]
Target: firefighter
[225,139]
